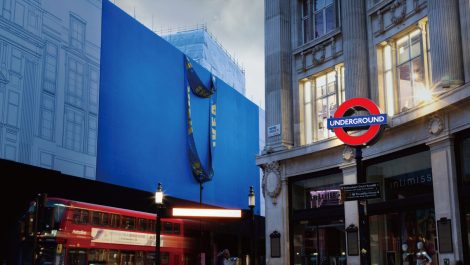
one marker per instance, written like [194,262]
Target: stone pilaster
[275,189]
[351,209]
[464,8]
[354,30]
[446,200]
[445,43]
[278,71]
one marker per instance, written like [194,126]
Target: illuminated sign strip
[204,212]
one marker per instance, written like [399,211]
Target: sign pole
[372,125]
[362,210]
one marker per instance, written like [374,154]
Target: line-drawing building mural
[49,83]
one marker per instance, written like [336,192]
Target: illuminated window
[320,95]
[318,18]
[405,72]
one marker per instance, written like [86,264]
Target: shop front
[463,153]
[317,220]
[402,223]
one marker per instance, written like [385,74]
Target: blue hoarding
[142,122]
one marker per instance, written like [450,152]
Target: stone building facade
[411,57]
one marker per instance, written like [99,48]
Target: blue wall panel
[142,122]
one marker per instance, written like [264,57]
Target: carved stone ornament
[435,125]
[348,153]
[320,50]
[272,181]
[397,19]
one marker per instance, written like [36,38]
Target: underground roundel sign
[371,124]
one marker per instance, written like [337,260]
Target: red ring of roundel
[366,137]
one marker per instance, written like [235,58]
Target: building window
[77,33]
[92,134]
[321,95]
[75,83]
[74,127]
[318,18]
[50,68]
[46,126]
[405,72]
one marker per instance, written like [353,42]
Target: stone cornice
[444,101]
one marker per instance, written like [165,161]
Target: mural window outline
[19,14]
[92,134]
[47,117]
[16,61]
[74,126]
[77,32]
[75,82]
[94,80]
[6,8]
[50,67]
[13,108]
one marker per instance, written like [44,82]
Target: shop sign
[361,191]
[408,184]
[320,198]
[343,122]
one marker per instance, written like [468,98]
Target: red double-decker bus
[66,232]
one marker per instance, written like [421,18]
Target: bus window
[176,229]
[152,226]
[105,219]
[96,256]
[143,225]
[77,257]
[96,218]
[128,223]
[85,217]
[113,257]
[168,228]
[139,258]
[80,216]
[114,220]
[164,258]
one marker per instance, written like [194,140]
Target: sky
[238,25]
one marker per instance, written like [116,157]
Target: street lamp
[251,205]
[159,203]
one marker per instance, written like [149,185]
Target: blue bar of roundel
[348,122]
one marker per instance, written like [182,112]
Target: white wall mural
[49,83]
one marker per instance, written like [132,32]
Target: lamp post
[159,203]
[251,205]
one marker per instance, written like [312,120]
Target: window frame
[311,111]
[308,17]
[390,90]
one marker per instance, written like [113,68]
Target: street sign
[360,191]
[342,121]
